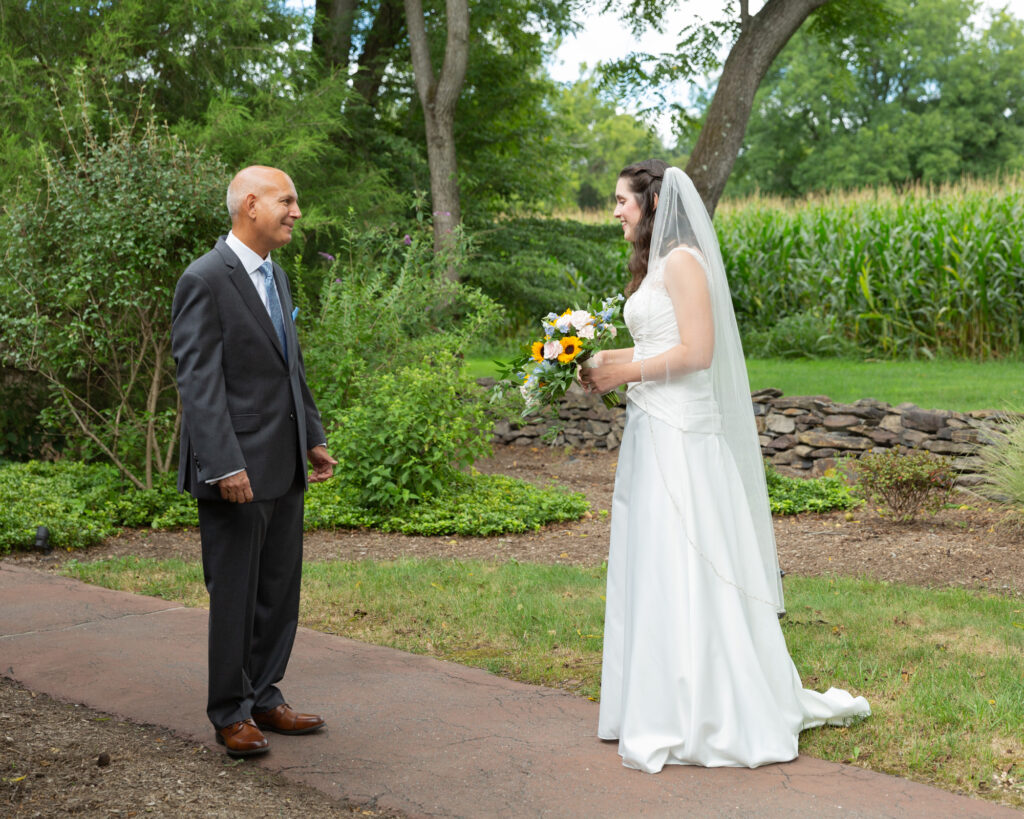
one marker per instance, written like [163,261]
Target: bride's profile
[695,668]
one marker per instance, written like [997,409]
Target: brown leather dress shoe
[284,720]
[243,739]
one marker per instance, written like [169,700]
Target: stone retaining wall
[801,435]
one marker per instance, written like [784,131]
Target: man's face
[275,209]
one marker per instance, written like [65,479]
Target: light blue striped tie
[274,304]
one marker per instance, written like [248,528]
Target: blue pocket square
[295,312]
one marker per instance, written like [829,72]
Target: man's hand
[236,488]
[322,463]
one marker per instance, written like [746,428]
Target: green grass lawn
[938,384]
[941,668]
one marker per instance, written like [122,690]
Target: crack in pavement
[73,626]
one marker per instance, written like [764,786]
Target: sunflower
[537,351]
[571,347]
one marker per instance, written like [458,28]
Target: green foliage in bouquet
[904,484]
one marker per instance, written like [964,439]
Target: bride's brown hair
[644,180]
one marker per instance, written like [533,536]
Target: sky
[604,37]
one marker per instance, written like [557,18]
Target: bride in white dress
[695,668]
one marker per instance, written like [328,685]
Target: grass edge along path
[941,668]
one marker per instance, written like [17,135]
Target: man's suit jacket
[244,406]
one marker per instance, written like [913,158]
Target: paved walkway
[426,737]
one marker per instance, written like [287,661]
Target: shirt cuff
[222,477]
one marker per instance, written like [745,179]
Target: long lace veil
[681,219]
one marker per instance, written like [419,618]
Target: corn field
[923,272]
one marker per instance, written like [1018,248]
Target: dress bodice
[686,401]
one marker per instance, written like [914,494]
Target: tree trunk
[438,97]
[762,37]
[332,31]
[375,56]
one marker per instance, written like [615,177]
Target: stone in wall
[802,435]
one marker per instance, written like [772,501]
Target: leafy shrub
[411,432]
[96,252]
[1003,463]
[531,266]
[791,496]
[385,366]
[904,484]
[469,504]
[804,335]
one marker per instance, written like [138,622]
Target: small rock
[103,760]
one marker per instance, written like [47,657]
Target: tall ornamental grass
[924,272]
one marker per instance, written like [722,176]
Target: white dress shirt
[251,261]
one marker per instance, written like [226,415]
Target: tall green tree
[177,57]
[940,100]
[603,141]
[506,143]
[439,92]
[753,42]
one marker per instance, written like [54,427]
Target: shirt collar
[249,258]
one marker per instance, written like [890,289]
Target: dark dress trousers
[245,406]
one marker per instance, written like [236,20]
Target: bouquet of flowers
[549,365]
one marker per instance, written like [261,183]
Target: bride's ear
[655,201]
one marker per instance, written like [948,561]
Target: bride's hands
[601,378]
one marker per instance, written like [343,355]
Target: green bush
[904,484]
[469,504]
[1003,463]
[96,250]
[385,365]
[410,433]
[791,496]
[534,266]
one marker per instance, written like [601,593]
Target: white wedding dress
[695,668]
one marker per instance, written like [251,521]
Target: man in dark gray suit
[249,424]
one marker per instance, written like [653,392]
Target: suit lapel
[251,298]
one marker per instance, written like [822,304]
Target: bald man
[249,424]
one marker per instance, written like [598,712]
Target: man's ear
[250,205]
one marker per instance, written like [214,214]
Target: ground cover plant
[81,504]
[939,667]
[791,496]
